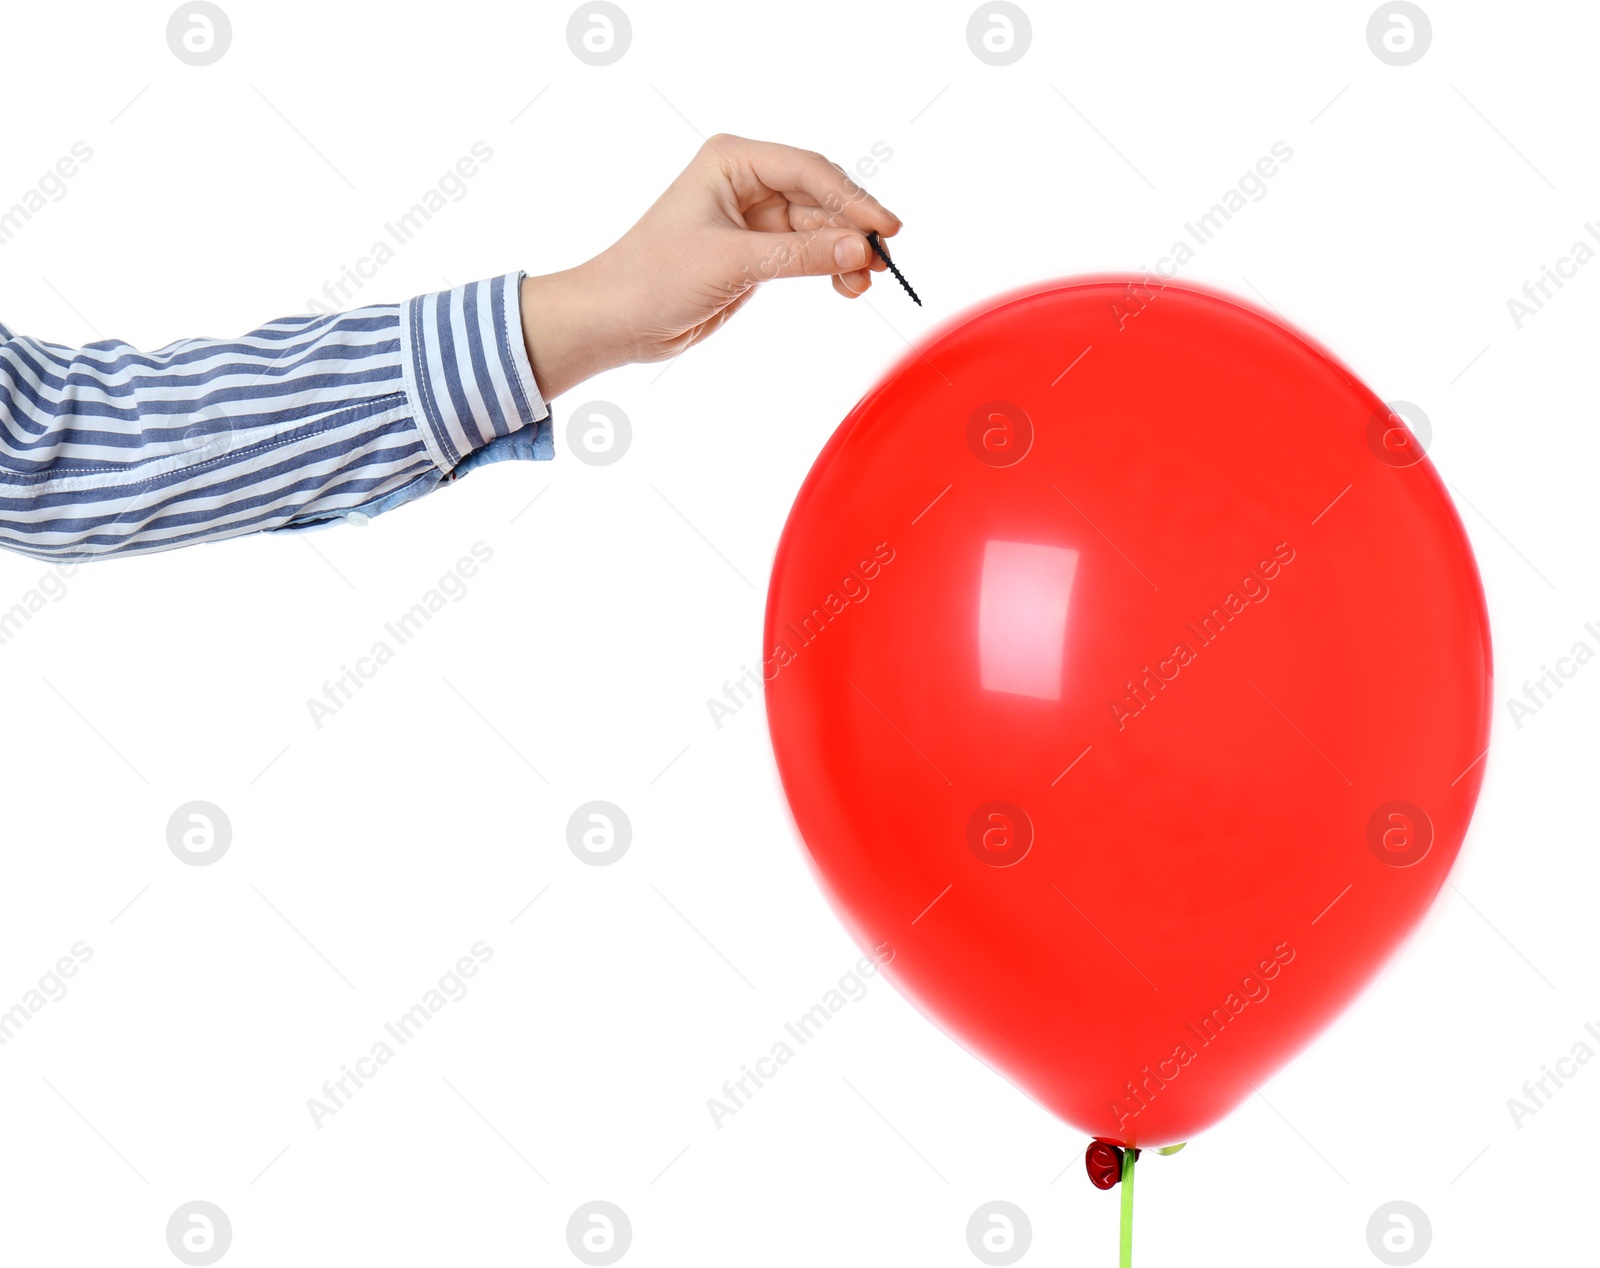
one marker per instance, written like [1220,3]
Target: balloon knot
[1103,1161]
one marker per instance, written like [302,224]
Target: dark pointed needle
[872,237]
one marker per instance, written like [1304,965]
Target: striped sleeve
[106,449]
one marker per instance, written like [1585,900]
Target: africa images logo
[1253,588]
[1252,989]
[853,588]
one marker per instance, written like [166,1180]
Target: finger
[851,285]
[811,253]
[807,177]
[774,213]
[805,217]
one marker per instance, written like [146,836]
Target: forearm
[109,450]
[571,327]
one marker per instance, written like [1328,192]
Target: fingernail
[850,253]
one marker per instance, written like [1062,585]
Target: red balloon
[1128,674]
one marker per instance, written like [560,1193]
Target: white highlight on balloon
[1022,617]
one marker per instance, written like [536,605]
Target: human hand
[743,212]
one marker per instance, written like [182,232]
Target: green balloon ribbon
[1126,1258]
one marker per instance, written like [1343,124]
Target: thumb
[807,253]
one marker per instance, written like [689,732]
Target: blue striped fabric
[105,449]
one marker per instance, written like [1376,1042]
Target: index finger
[792,172]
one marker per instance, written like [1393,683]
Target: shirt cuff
[467,371]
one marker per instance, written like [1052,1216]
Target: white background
[369,855]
